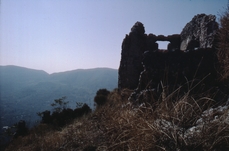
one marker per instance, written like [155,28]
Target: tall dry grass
[223,44]
[123,125]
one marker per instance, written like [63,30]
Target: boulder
[200,32]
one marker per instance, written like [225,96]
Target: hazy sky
[61,35]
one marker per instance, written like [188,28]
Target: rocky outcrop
[195,70]
[133,46]
[200,32]
[190,59]
[210,118]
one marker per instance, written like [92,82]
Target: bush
[104,92]
[62,115]
[22,129]
[101,96]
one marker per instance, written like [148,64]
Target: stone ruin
[189,55]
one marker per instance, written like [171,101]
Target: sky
[63,35]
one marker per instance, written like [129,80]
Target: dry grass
[223,44]
[120,125]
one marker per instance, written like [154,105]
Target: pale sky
[62,35]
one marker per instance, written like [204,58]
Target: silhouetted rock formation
[174,69]
[189,55]
[133,46]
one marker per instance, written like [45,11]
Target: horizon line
[57,71]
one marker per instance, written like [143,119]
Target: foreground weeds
[184,124]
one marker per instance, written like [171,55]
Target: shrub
[59,104]
[101,96]
[22,129]
[62,115]
[85,109]
[104,92]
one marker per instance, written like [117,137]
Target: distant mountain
[24,92]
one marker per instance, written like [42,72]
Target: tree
[101,96]
[62,115]
[59,104]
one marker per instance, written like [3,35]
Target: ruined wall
[133,47]
[190,51]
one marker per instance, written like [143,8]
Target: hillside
[24,92]
[183,124]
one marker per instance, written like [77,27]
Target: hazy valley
[24,92]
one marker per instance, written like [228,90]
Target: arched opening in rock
[162,44]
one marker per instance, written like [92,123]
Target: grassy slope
[121,125]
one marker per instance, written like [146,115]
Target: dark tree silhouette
[101,96]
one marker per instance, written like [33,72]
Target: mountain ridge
[79,69]
[25,91]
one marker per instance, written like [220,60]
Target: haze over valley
[24,92]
